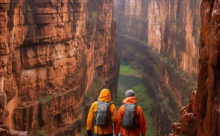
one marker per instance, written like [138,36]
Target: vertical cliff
[168,31]
[203,118]
[51,53]
[208,100]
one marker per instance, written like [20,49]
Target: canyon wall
[208,95]
[169,30]
[202,116]
[52,53]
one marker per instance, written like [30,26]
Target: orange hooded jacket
[105,96]
[140,119]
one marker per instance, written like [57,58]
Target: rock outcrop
[51,53]
[187,122]
[4,131]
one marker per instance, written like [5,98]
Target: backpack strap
[136,117]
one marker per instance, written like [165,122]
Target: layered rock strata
[51,52]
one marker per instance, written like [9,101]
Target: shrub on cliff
[40,133]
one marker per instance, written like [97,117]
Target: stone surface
[208,100]
[51,52]
[4,131]
[187,121]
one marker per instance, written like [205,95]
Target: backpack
[103,117]
[129,117]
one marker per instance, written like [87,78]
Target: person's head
[129,93]
[105,95]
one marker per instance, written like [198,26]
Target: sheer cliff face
[51,51]
[208,100]
[204,120]
[168,26]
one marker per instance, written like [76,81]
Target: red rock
[37,63]
[187,119]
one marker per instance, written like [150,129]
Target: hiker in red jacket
[126,112]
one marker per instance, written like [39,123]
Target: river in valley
[128,82]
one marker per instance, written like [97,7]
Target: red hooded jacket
[140,119]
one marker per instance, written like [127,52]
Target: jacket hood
[130,99]
[105,95]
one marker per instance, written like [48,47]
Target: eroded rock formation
[187,122]
[51,53]
[4,131]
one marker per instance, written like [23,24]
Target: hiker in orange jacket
[105,96]
[141,125]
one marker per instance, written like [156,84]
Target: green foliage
[160,94]
[93,87]
[127,70]
[114,20]
[94,14]
[136,65]
[168,61]
[88,19]
[33,26]
[40,133]
[83,132]
[145,101]
[177,43]
[178,78]
[38,37]
[120,97]
[123,62]
[45,99]
[183,75]
[28,7]
[90,95]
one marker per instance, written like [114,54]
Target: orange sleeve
[142,121]
[118,123]
[90,117]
